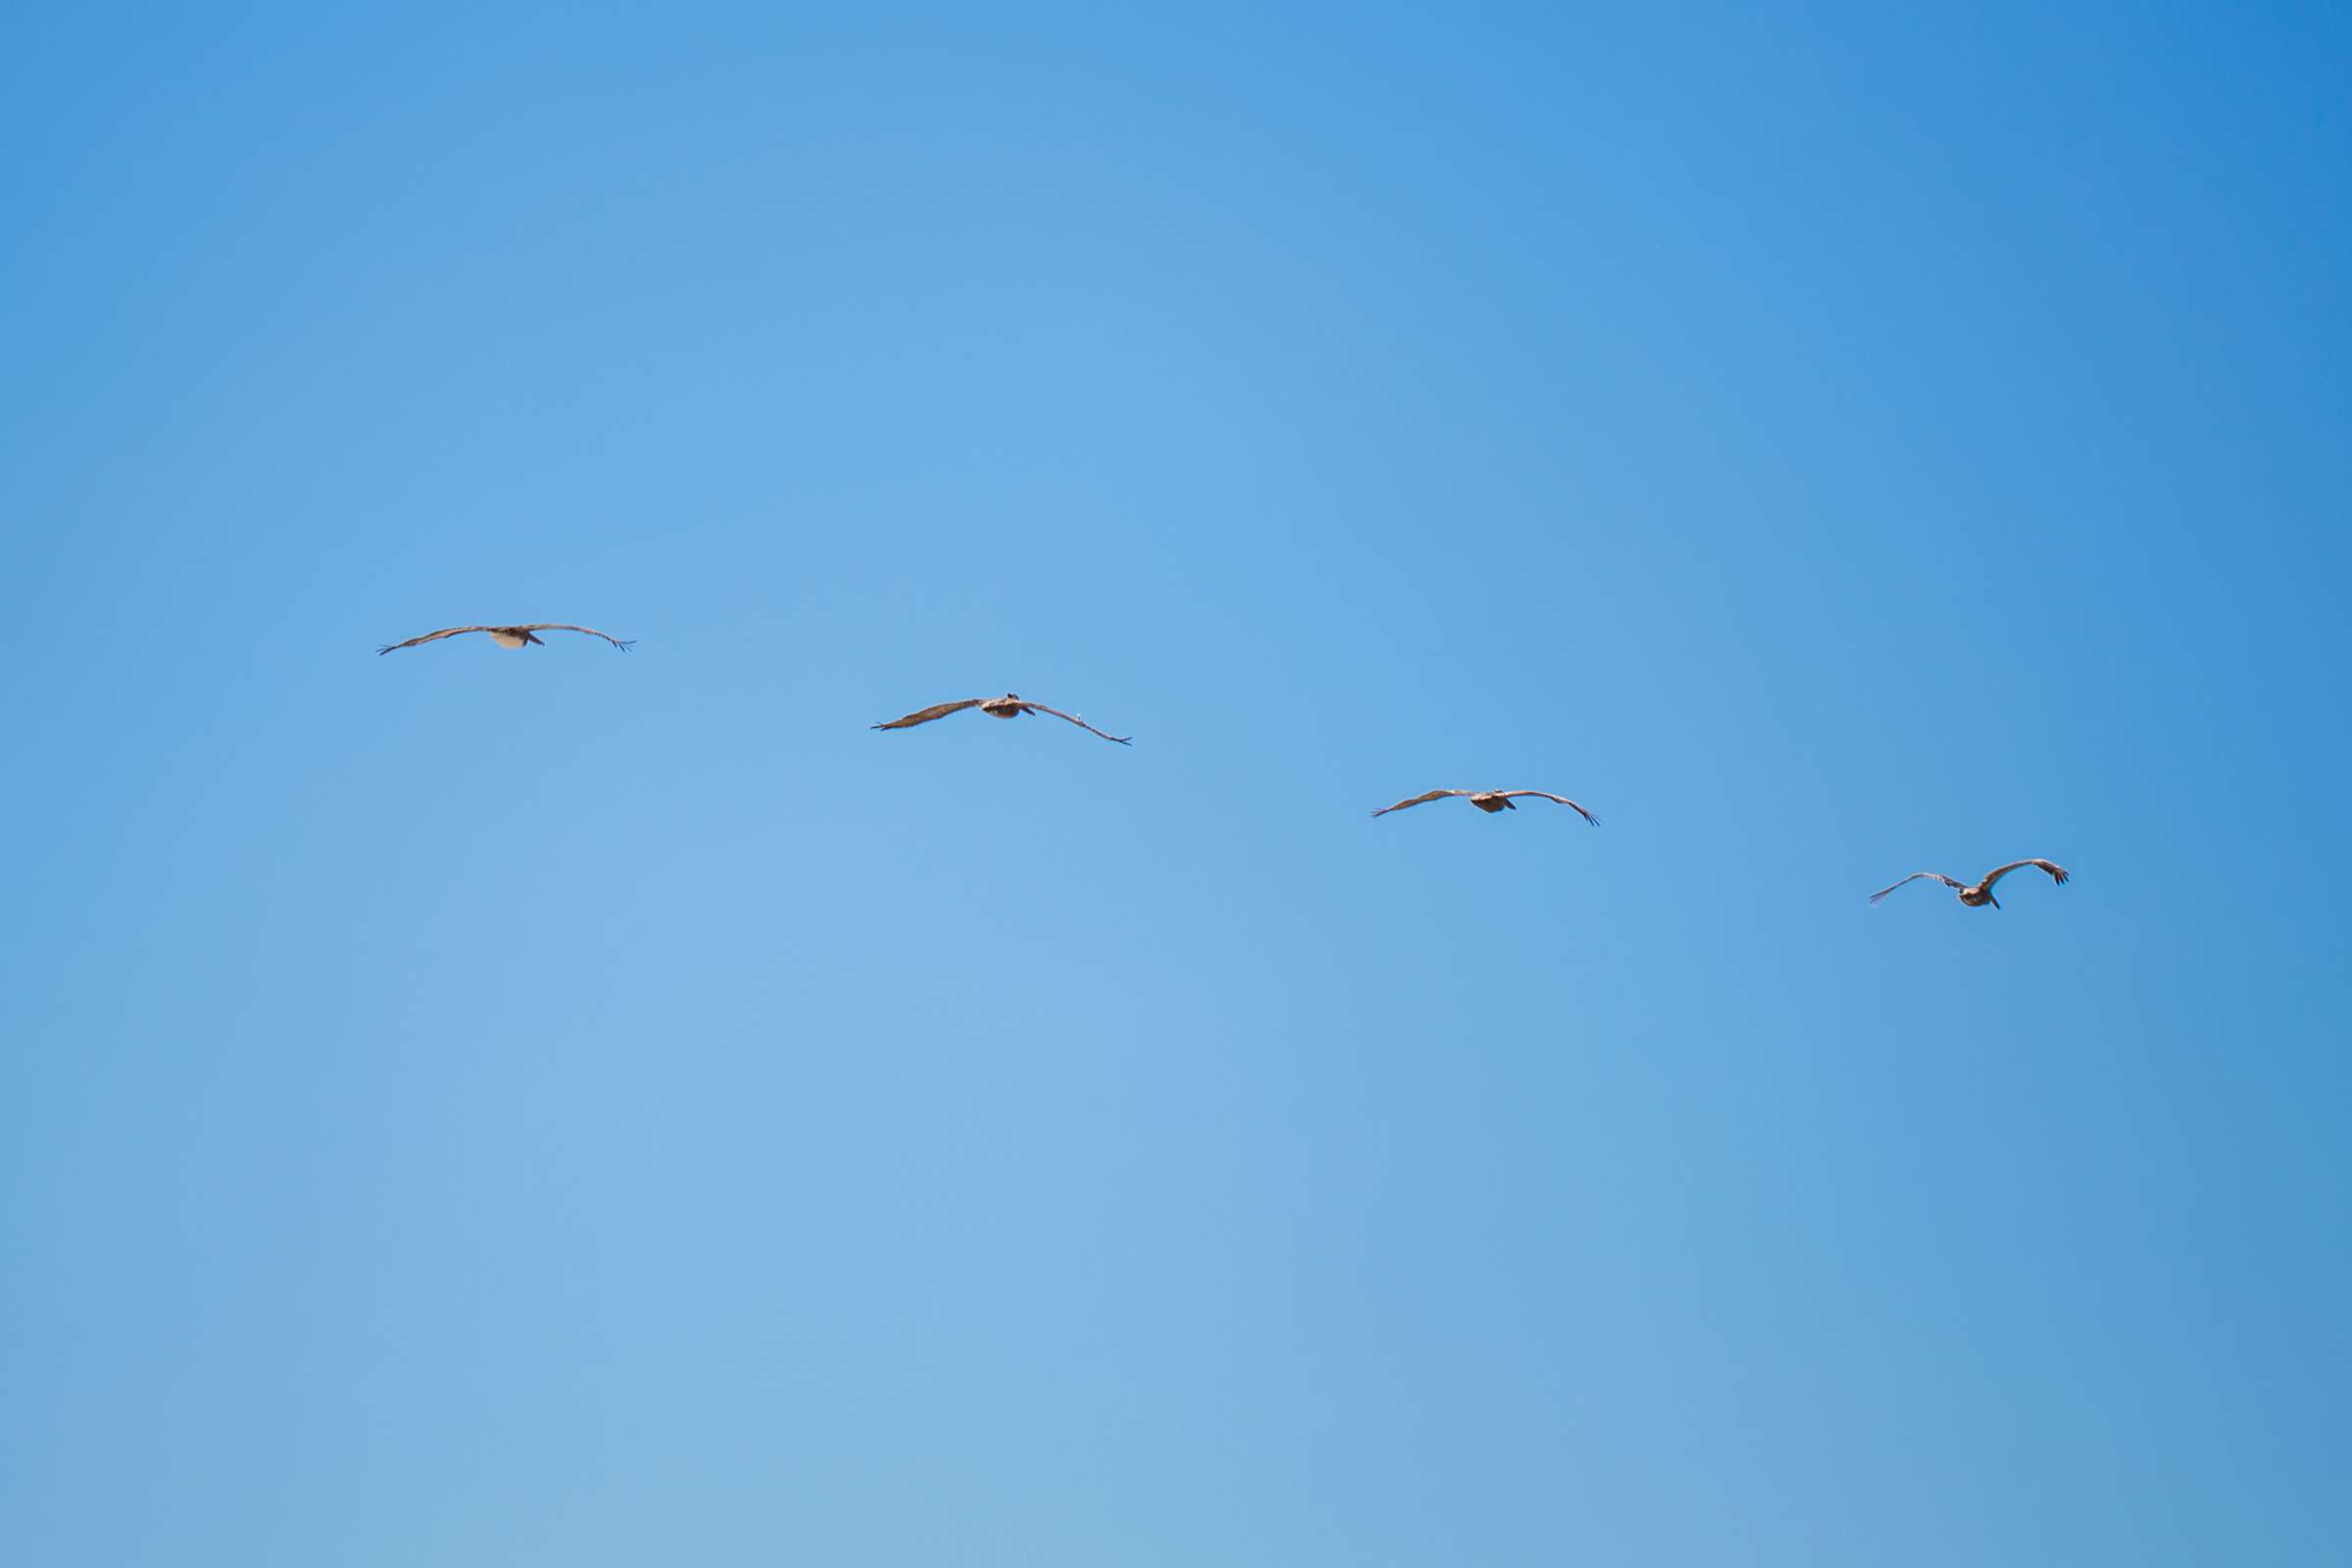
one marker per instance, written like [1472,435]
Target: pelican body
[510,636]
[1491,801]
[1978,894]
[1010,706]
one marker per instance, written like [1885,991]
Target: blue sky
[491,1107]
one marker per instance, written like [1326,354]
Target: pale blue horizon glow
[564,1107]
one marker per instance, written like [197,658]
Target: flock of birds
[1011,705]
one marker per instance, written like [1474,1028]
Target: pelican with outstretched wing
[1009,705]
[510,636]
[1491,801]
[1977,897]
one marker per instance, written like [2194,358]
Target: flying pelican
[1981,894]
[508,636]
[1490,801]
[1009,705]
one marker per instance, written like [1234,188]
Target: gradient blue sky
[559,1107]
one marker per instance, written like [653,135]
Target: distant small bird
[1490,801]
[508,636]
[1009,705]
[1981,894]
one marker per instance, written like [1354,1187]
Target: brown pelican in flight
[1491,801]
[1009,705]
[508,636]
[1981,894]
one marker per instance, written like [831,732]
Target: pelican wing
[1040,707]
[926,715]
[2058,874]
[1547,795]
[624,644]
[1913,877]
[1418,800]
[431,637]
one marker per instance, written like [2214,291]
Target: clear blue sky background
[559,1107]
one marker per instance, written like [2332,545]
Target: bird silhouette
[1491,801]
[1981,894]
[510,636]
[1010,706]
